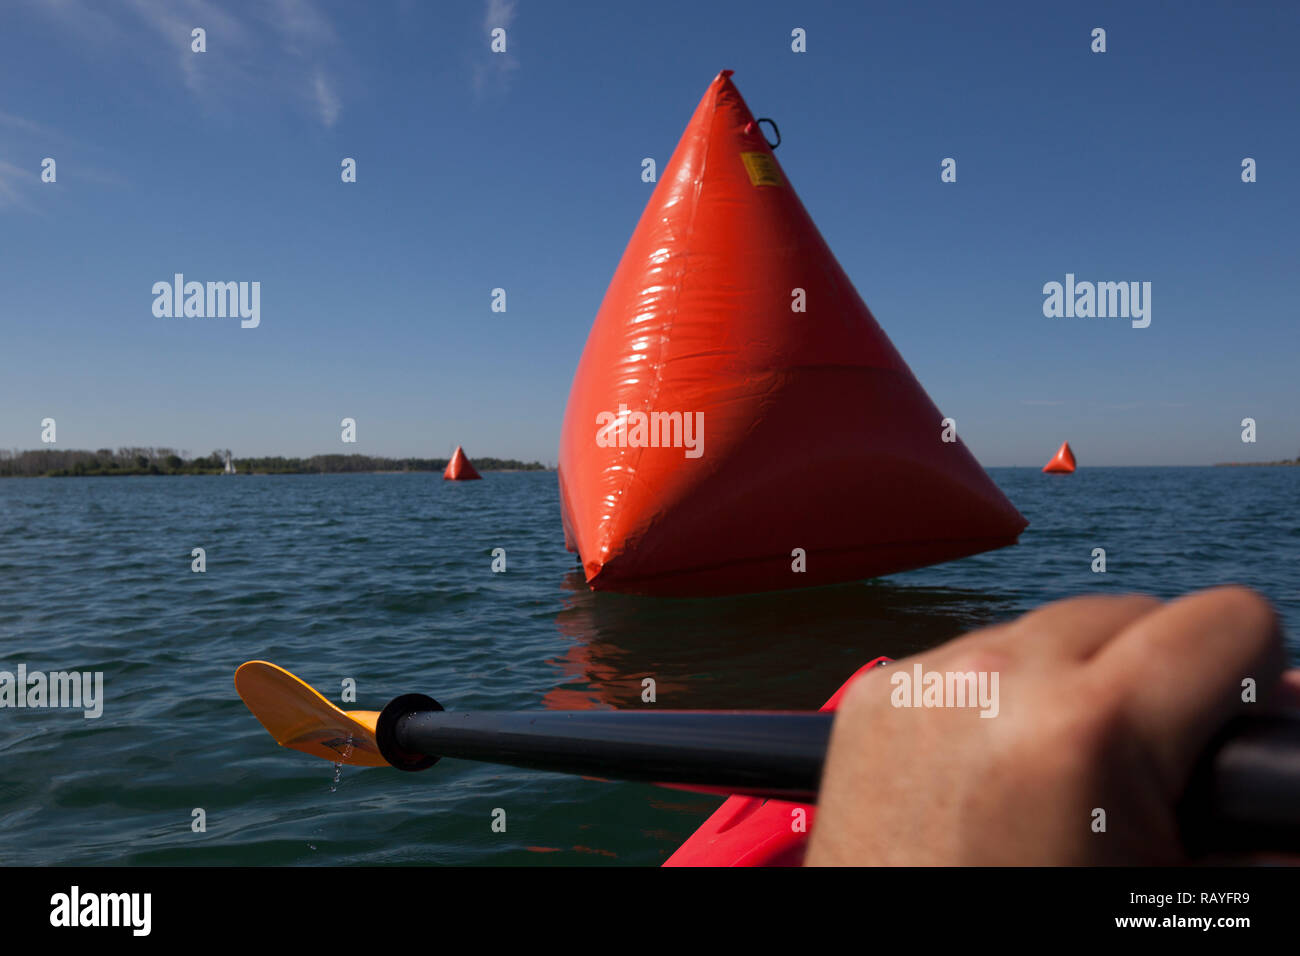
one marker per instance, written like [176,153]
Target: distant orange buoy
[738,421]
[459,468]
[1062,462]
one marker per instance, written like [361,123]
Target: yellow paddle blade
[297,716]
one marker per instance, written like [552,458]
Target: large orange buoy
[1062,462]
[459,468]
[738,421]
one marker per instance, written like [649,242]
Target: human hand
[1104,703]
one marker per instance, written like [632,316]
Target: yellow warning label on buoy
[761,168]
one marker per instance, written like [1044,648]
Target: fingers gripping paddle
[297,716]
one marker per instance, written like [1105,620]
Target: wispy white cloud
[308,36]
[288,46]
[20,183]
[500,13]
[22,124]
[305,28]
[284,46]
[492,71]
[327,101]
[174,22]
[15,182]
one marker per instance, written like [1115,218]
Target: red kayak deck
[752,831]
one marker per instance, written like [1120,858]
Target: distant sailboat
[230,466]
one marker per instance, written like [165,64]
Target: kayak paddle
[1245,794]
[297,716]
[764,753]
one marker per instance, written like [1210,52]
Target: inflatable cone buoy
[1062,462]
[459,468]
[738,421]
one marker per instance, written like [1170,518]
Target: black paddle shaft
[1243,795]
[764,753]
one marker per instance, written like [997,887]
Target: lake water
[387,579]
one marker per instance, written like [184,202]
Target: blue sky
[522,171]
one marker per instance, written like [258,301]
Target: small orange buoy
[459,468]
[1062,462]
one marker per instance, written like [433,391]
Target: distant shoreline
[263,474]
[127,462]
[1255,464]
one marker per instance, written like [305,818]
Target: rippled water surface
[387,579]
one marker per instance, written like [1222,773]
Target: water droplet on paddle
[338,764]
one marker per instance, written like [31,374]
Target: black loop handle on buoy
[764,119]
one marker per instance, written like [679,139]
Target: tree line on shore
[58,463]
